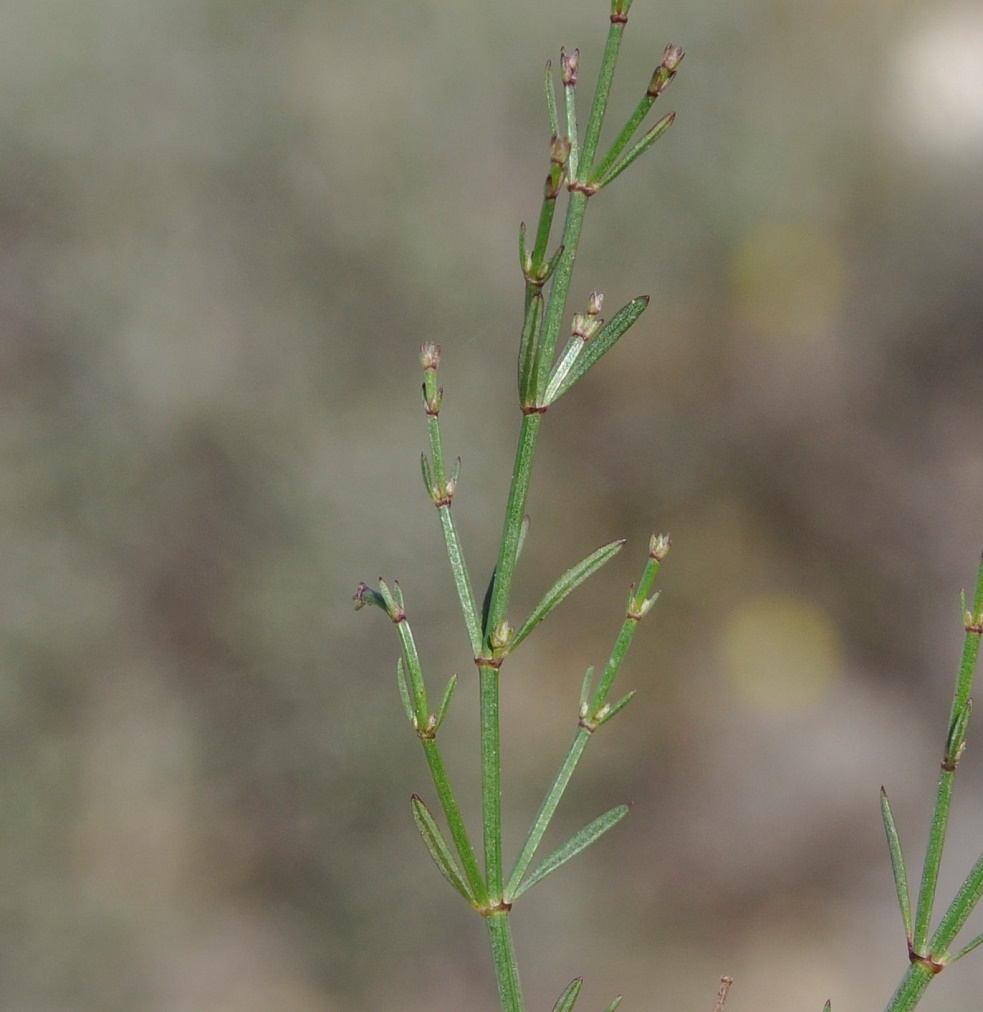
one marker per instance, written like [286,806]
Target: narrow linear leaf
[646,141]
[551,101]
[570,580]
[404,690]
[960,909]
[561,368]
[523,531]
[602,342]
[614,1004]
[827,1006]
[525,260]
[552,262]
[568,999]
[486,601]
[438,848]
[446,701]
[974,944]
[584,838]
[897,864]
[529,349]
[585,688]
[427,470]
[615,708]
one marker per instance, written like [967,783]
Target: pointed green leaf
[960,909]
[486,601]
[584,838]
[568,999]
[427,470]
[529,350]
[525,260]
[827,1006]
[551,101]
[585,687]
[552,262]
[446,701]
[570,580]
[646,141]
[523,531]
[396,593]
[608,712]
[404,691]
[897,864]
[614,1004]
[974,944]
[438,848]
[562,366]
[956,740]
[602,342]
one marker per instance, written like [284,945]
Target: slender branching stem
[454,817]
[541,381]
[929,956]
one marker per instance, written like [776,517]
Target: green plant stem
[928,959]
[442,494]
[515,510]
[955,743]
[602,94]
[637,605]
[455,820]
[912,987]
[490,633]
[933,860]
[503,953]
[462,581]
[491,779]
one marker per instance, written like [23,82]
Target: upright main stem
[495,629]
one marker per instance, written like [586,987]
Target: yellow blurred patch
[787,280]
[781,653]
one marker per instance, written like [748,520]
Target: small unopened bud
[559,150]
[659,545]
[432,399]
[499,639]
[569,65]
[585,327]
[430,355]
[594,303]
[666,70]
[672,57]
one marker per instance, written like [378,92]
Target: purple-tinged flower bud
[666,70]
[569,65]
[430,355]
[594,303]
[672,57]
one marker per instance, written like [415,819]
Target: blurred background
[225,229]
